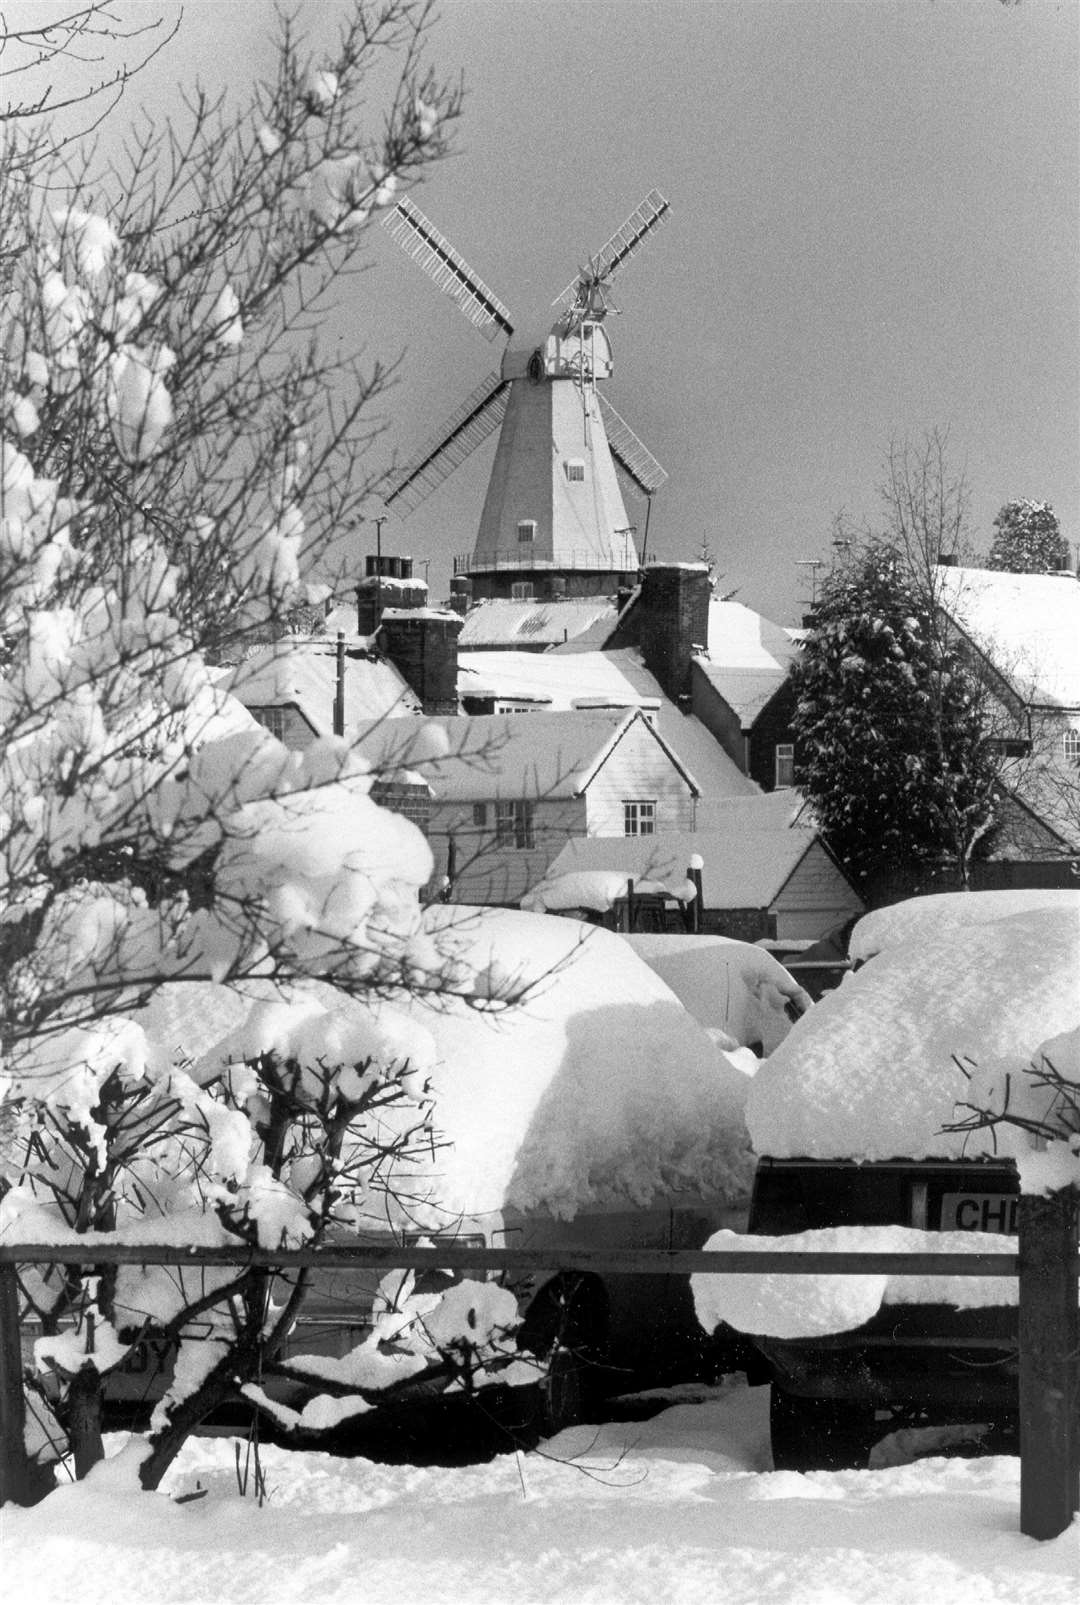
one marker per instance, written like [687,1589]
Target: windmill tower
[554,521]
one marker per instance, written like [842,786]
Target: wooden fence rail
[1047,1266]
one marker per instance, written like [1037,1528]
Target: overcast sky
[874,231]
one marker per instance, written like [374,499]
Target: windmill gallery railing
[1046,1265]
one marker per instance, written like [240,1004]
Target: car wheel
[565,1329]
[818,1434]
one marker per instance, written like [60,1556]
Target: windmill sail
[463,431]
[626,240]
[432,251]
[628,451]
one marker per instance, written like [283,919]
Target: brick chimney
[672,618]
[422,644]
[392,585]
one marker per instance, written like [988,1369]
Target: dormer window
[575,471]
[526,531]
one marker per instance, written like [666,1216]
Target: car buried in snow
[868,1116]
[604,1113]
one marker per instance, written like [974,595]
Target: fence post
[21,1481]
[1049,1332]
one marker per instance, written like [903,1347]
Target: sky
[873,233]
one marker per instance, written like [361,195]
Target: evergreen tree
[1028,539]
[890,724]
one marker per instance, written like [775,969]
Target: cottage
[1022,631]
[761,878]
[741,691]
[510,790]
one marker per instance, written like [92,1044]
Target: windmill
[553,506]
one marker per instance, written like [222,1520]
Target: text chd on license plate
[979,1212]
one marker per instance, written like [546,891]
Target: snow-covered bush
[178,451]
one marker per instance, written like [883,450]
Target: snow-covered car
[595,1103]
[855,1118]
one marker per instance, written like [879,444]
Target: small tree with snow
[178,451]
[1028,539]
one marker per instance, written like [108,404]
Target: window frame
[529,525]
[636,821]
[515,824]
[783,764]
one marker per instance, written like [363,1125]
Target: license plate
[980,1212]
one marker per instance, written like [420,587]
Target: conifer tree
[890,724]
[1028,539]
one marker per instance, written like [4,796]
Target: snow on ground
[872,1071]
[682,1509]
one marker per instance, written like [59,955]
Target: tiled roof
[304,672]
[748,658]
[1028,625]
[499,623]
[570,678]
[744,867]
[540,755]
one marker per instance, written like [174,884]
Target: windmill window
[526,530]
[785,764]
[639,818]
[575,472]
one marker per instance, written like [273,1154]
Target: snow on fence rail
[1047,1266]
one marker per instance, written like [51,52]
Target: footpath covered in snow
[683,1508]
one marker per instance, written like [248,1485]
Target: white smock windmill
[553,504]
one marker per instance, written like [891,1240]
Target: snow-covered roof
[572,678]
[304,673]
[748,658]
[473,759]
[879,1067]
[743,867]
[1028,625]
[499,623]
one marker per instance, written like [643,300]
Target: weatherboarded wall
[638,769]
[493,872]
[815,897]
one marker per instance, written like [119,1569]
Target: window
[514,824]
[526,531]
[1070,746]
[785,764]
[639,818]
[522,591]
[1008,746]
[575,472]
[272,719]
[479,815]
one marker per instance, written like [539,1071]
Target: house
[1023,632]
[510,790]
[304,688]
[741,691]
[548,682]
[762,879]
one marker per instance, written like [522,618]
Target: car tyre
[565,1329]
[818,1434]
